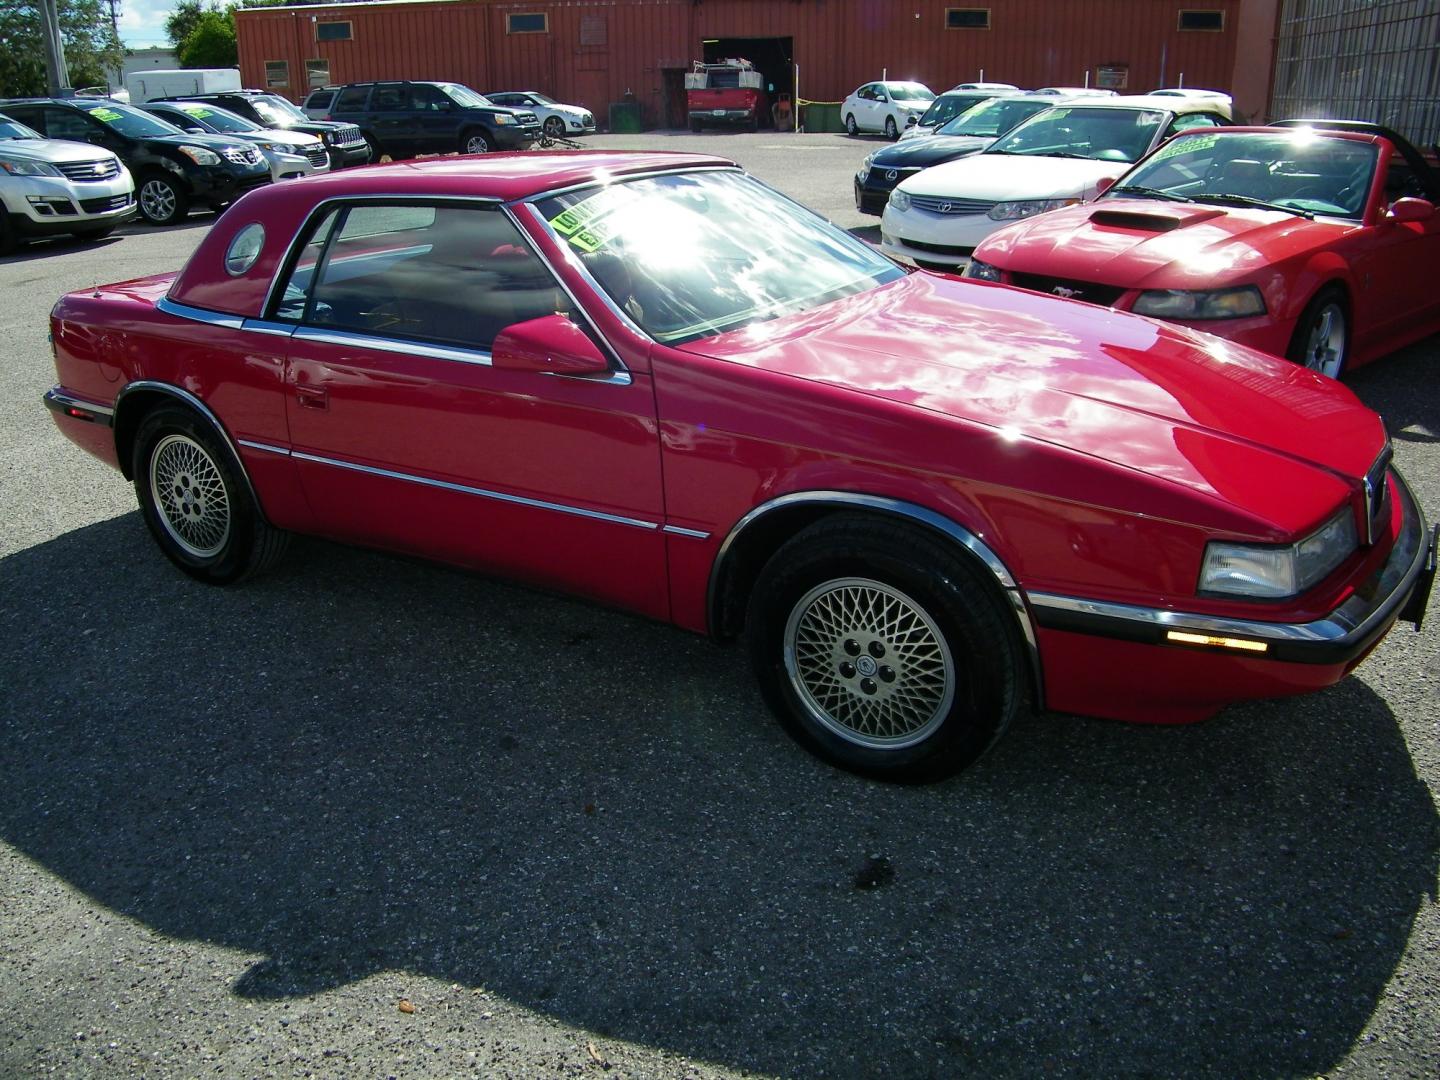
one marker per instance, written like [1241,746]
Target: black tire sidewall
[851,128]
[949,595]
[892,129]
[474,133]
[233,560]
[182,202]
[553,127]
[1297,351]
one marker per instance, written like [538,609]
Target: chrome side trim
[284,451]
[202,315]
[693,534]
[484,493]
[1345,631]
[209,417]
[921,515]
[58,400]
[393,345]
[265,326]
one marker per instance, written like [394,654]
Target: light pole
[57,74]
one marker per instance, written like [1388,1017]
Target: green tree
[92,51]
[180,22]
[210,42]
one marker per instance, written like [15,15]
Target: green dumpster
[625,118]
[819,116]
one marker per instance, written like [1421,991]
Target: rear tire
[851,128]
[196,503]
[882,650]
[1322,336]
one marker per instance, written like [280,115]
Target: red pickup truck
[729,93]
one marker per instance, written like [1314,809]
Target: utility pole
[56,72]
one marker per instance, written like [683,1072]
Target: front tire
[851,128]
[161,200]
[554,127]
[882,650]
[196,503]
[376,150]
[891,131]
[474,142]
[695,125]
[1322,336]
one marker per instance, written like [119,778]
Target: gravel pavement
[371,817]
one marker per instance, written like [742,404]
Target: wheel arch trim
[962,537]
[197,406]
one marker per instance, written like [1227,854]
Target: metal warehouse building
[592,52]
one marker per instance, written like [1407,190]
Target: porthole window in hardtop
[451,275]
[244,249]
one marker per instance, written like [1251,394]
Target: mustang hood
[1013,177]
[1216,418]
[1144,243]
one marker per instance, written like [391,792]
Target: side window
[389,96]
[449,275]
[1191,120]
[68,124]
[352,98]
[428,98]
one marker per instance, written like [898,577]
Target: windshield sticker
[1193,144]
[197,111]
[108,116]
[582,224]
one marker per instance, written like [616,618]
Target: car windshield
[691,255]
[463,95]
[219,119]
[1296,170]
[132,123]
[12,129]
[994,117]
[947,107]
[909,91]
[277,112]
[543,99]
[1099,132]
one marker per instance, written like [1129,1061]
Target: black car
[966,134]
[344,143]
[403,119]
[172,170]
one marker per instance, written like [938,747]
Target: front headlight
[1201,304]
[200,155]
[1273,572]
[982,270]
[1014,211]
[275,148]
[24,167]
[502,118]
[899,200]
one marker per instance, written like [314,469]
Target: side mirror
[1409,209]
[551,345]
[912,121]
[1104,184]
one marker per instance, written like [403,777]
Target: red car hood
[1143,243]
[1187,408]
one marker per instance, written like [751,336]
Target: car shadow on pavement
[359,764]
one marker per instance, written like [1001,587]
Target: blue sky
[142,22]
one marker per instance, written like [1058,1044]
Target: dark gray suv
[403,119]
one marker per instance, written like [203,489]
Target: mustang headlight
[899,200]
[200,155]
[23,167]
[1014,211]
[1201,304]
[1272,571]
[982,270]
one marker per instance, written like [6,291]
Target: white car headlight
[1014,211]
[899,200]
[1276,571]
[1201,304]
[23,167]
[982,270]
[200,155]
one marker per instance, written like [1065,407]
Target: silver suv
[49,187]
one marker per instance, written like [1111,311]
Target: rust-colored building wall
[595,50]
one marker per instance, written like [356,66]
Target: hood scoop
[1131,219]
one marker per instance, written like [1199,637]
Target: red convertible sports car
[653,381]
[1313,240]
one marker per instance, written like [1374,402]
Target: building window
[277,73]
[332,31]
[538,23]
[967,18]
[1202,20]
[594,30]
[317,73]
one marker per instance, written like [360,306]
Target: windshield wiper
[1246,200]
[1064,153]
[1149,193]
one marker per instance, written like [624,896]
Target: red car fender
[1320,269]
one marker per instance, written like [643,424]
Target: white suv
[49,187]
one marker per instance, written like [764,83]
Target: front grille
[237,155]
[349,135]
[110,202]
[940,249]
[1089,291]
[1375,489]
[884,179]
[528,118]
[85,171]
[938,204]
[317,156]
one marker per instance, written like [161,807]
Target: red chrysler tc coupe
[653,381]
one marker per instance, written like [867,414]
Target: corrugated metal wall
[1376,60]
[595,50]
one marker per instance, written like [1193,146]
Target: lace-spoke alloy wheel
[884,648]
[195,500]
[161,202]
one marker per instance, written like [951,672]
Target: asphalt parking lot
[371,817]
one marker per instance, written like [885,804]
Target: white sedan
[558,121]
[888,107]
[1056,158]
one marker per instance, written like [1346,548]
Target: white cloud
[142,22]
